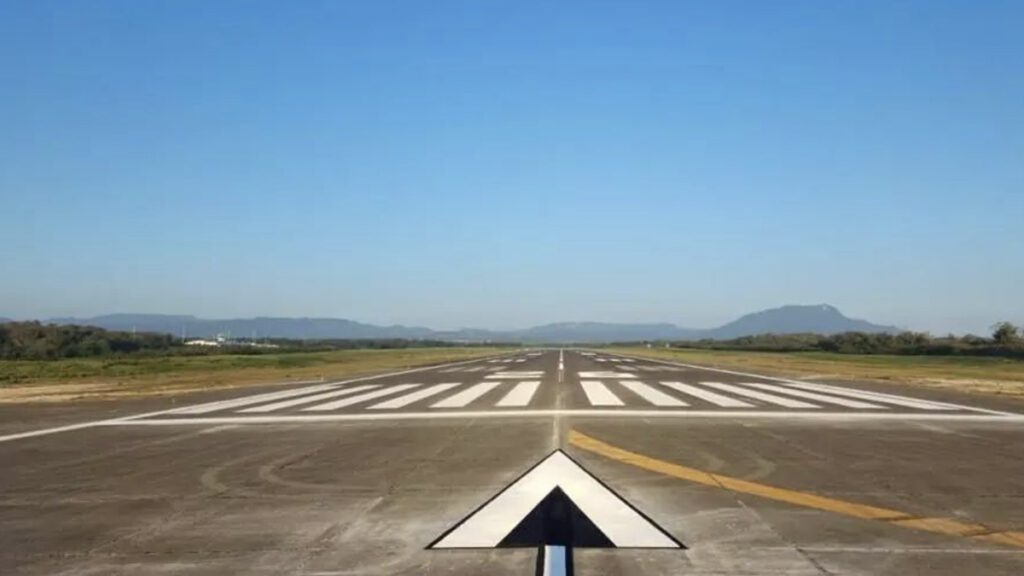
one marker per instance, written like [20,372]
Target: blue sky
[502,164]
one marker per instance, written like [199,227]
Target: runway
[754,474]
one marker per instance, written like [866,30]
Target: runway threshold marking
[217,405]
[863,394]
[945,526]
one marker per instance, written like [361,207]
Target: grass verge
[108,378]
[969,374]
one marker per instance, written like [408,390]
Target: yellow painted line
[944,526]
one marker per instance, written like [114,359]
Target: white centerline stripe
[414,396]
[309,399]
[360,398]
[762,396]
[466,396]
[520,395]
[856,404]
[656,397]
[554,561]
[598,394]
[707,395]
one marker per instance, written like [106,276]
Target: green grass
[106,377]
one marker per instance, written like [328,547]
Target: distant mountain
[822,319]
[260,327]
[603,332]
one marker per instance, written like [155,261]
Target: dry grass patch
[59,380]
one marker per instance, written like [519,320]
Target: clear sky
[502,164]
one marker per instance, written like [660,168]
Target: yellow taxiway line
[944,526]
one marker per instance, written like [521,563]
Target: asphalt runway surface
[752,474]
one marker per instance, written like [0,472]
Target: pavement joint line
[570,412]
[944,526]
[788,380]
[125,419]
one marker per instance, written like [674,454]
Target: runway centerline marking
[945,526]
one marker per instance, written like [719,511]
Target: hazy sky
[501,164]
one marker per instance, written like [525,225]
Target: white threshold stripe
[514,375]
[598,394]
[652,395]
[250,400]
[360,398]
[876,396]
[1014,419]
[113,421]
[708,396]
[627,368]
[309,399]
[416,396]
[463,398]
[831,389]
[762,396]
[605,375]
[520,395]
[855,404]
[477,369]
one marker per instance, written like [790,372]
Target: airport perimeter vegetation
[986,365]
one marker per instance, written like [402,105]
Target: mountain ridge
[789,319]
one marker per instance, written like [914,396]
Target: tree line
[1005,341]
[37,341]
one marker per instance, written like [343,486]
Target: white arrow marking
[620,523]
